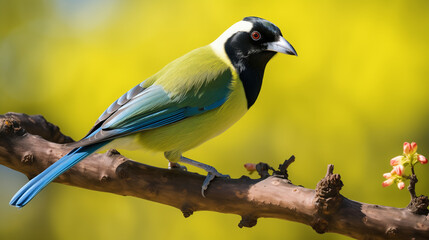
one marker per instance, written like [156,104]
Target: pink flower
[398,170]
[422,159]
[387,175]
[396,160]
[413,147]
[388,182]
[410,148]
[401,185]
[409,157]
[407,148]
[251,167]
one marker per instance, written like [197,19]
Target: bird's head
[251,41]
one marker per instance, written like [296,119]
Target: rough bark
[29,144]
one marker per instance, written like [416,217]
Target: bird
[189,101]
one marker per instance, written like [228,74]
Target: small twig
[418,205]
[282,172]
[413,180]
[262,169]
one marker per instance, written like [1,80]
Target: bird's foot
[210,176]
[176,166]
[212,172]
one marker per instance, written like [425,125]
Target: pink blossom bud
[407,148]
[388,182]
[422,159]
[398,170]
[387,175]
[396,160]
[401,185]
[413,148]
[250,167]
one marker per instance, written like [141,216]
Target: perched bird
[189,101]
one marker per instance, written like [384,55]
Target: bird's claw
[210,176]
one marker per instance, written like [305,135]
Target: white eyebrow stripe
[218,45]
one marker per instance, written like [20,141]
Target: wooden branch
[29,144]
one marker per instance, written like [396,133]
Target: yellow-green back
[197,77]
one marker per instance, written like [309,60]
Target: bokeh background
[356,92]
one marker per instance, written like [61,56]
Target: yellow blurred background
[356,92]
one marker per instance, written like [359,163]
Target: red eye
[255,35]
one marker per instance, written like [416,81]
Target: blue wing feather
[116,105]
[150,108]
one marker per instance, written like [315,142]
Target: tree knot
[392,233]
[320,225]
[248,221]
[328,199]
[329,186]
[105,179]
[27,159]
[112,152]
[419,205]
[187,211]
[10,126]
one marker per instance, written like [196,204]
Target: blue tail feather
[35,185]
